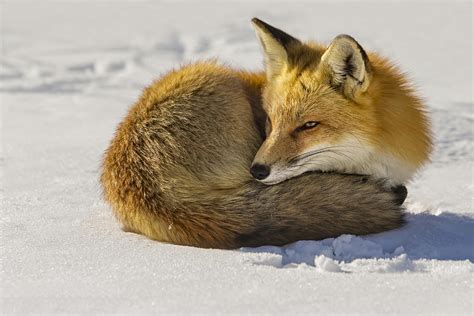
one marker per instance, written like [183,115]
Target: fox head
[318,105]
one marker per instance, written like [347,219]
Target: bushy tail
[310,207]
[316,206]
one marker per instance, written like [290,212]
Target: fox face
[303,133]
[323,113]
[311,123]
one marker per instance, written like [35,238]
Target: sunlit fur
[177,170]
[383,131]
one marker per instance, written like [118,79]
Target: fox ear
[275,44]
[346,67]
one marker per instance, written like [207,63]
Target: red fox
[337,109]
[177,170]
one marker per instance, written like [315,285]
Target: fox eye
[309,125]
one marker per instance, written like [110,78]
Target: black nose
[259,171]
[401,193]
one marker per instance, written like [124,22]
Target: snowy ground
[69,70]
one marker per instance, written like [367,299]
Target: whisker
[302,156]
[336,152]
[306,162]
[310,153]
[340,153]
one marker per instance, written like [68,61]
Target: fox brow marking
[308,91]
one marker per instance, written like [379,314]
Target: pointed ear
[346,67]
[276,45]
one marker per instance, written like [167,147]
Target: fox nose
[259,171]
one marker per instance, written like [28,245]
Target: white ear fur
[275,45]
[346,65]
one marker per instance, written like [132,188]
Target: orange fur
[376,126]
[177,170]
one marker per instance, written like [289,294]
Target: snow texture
[69,71]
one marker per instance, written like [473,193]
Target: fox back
[337,108]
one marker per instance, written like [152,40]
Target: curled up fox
[215,157]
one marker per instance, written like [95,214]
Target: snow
[70,69]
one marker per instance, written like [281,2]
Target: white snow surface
[69,71]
